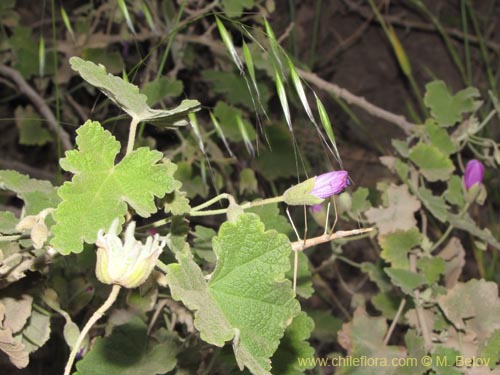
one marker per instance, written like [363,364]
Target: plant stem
[195,211]
[210,202]
[93,319]
[449,229]
[162,266]
[302,245]
[395,321]
[131,135]
[263,202]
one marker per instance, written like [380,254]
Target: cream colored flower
[127,263]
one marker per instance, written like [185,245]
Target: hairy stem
[131,135]
[302,245]
[93,319]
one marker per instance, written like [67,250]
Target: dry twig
[39,104]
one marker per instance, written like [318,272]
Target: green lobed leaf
[293,345]
[443,359]
[446,108]
[416,349]
[161,88]
[455,192]
[432,268]
[202,243]
[248,181]
[466,223]
[397,245]
[247,298]
[270,216]
[433,164]
[31,131]
[127,95]
[234,8]
[376,274]
[387,303]
[129,351]
[8,222]
[100,190]
[112,60]
[405,279]
[435,204]
[36,194]
[440,138]
[360,201]
[177,203]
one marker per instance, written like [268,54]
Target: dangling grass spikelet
[149,18]
[327,125]
[280,88]
[67,23]
[244,135]
[219,131]
[126,15]
[226,39]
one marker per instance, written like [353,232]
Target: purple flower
[331,183]
[474,172]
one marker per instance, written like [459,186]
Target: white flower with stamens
[127,263]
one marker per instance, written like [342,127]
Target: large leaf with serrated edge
[127,95]
[100,190]
[247,299]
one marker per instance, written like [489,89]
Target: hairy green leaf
[466,223]
[100,190]
[435,204]
[161,88]
[455,192]
[446,108]
[431,268]
[294,346]
[31,131]
[127,96]
[234,8]
[247,299]
[8,222]
[433,164]
[397,245]
[440,138]
[405,279]
[129,351]
[36,194]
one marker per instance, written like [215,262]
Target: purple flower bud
[331,183]
[474,172]
[315,208]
